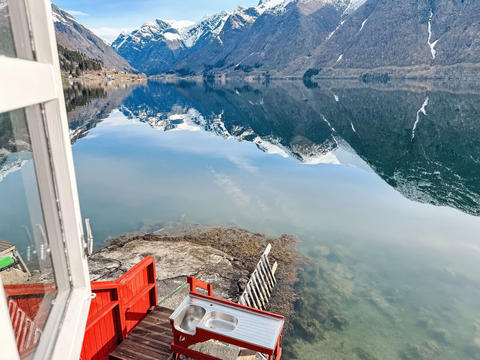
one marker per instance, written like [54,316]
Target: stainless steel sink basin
[217,317]
[189,318]
[220,321]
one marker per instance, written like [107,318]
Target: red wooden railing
[29,305]
[26,331]
[118,306]
[30,297]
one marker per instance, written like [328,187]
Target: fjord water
[381,184]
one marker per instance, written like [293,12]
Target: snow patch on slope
[210,24]
[180,24]
[12,162]
[423,111]
[334,31]
[272,5]
[353,6]
[270,146]
[353,128]
[363,25]
[429,40]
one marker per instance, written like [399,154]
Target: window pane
[6,37]
[25,263]
[15,39]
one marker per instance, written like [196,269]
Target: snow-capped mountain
[74,36]
[158,46]
[290,36]
[161,46]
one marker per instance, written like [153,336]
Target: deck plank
[150,340]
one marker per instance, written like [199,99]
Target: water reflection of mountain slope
[427,149]
[87,107]
[97,104]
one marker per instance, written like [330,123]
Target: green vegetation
[75,63]
[79,95]
[375,78]
[218,64]
[307,78]
[185,72]
[247,68]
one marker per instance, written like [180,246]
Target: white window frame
[24,83]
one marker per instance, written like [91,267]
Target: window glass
[15,37]
[6,37]
[25,262]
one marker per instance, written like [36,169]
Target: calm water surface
[381,185]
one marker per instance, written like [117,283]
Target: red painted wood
[182,341]
[193,281]
[118,307]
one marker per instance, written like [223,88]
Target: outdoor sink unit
[189,317]
[220,321]
[203,317]
[194,313]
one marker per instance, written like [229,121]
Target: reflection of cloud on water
[117,118]
[243,163]
[238,195]
[231,188]
[91,136]
[473,247]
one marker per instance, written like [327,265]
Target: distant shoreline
[415,71]
[99,78]
[454,79]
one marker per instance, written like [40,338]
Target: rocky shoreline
[222,256]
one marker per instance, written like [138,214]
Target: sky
[107,18]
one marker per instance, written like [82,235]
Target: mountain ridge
[74,36]
[288,37]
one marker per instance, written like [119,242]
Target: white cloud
[110,33]
[76,13]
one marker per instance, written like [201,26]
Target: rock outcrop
[222,256]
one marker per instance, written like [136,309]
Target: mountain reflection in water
[381,184]
[440,165]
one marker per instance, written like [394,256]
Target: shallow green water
[383,196]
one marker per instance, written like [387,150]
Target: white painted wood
[89,237]
[8,345]
[274,268]
[70,338]
[257,289]
[264,281]
[20,29]
[261,283]
[22,263]
[262,269]
[24,83]
[267,250]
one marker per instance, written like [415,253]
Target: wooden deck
[150,340]
[6,248]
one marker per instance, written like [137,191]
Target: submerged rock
[427,350]
[363,354]
[324,283]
